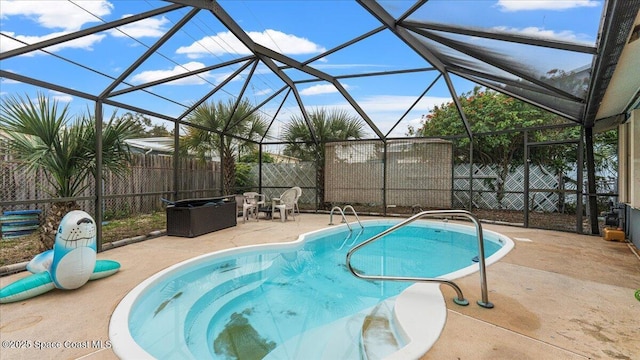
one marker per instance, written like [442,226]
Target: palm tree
[41,136]
[327,126]
[240,123]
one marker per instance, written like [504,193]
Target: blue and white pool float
[69,265]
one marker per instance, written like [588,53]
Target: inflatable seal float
[69,265]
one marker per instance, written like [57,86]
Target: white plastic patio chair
[298,194]
[251,205]
[284,204]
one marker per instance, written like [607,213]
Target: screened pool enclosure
[391,66]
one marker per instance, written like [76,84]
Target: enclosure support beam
[264,51]
[98,176]
[149,52]
[222,168]
[181,75]
[413,105]
[176,158]
[526,179]
[497,35]
[496,62]
[214,90]
[456,101]
[260,168]
[239,99]
[236,30]
[317,183]
[403,34]
[275,115]
[78,34]
[384,177]
[579,181]
[591,181]
[478,77]
[470,173]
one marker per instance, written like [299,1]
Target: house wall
[629,174]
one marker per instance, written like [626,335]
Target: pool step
[331,341]
[378,339]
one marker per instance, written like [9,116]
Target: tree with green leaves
[253,157]
[327,126]
[488,111]
[42,136]
[235,130]
[144,127]
[244,178]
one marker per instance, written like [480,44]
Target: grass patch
[114,230]
[13,251]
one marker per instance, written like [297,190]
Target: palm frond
[42,136]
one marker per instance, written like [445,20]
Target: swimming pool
[295,300]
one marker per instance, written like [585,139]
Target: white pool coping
[419,311]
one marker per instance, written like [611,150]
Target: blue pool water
[255,304]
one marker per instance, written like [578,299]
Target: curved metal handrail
[460,300]
[355,239]
[344,209]
[341,213]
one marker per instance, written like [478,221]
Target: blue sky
[299,29]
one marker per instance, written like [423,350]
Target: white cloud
[384,110]
[415,123]
[320,89]
[152,75]
[226,43]
[565,35]
[65,15]
[9,44]
[348,66]
[150,27]
[85,42]
[520,5]
[263,92]
[8,81]
[287,43]
[394,103]
[61,97]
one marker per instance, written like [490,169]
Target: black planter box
[194,217]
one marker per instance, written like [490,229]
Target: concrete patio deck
[556,295]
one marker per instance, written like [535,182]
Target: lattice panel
[277,177]
[485,184]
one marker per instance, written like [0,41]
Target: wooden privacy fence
[417,173]
[150,177]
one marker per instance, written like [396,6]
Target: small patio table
[267,210]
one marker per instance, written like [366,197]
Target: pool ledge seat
[420,315]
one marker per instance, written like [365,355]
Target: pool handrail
[344,219]
[344,210]
[348,237]
[460,300]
